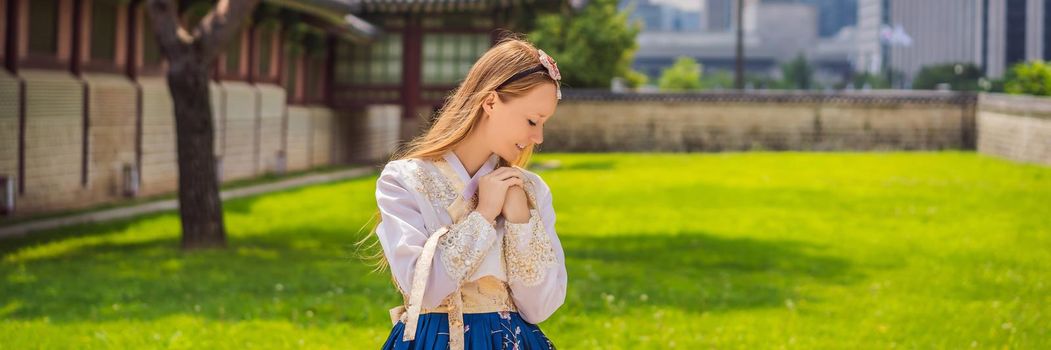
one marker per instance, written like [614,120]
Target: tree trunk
[200,206]
[190,55]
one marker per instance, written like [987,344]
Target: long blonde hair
[460,114]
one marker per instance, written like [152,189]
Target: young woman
[468,234]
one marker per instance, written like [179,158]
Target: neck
[472,155]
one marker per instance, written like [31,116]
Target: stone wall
[239,116]
[1015,127]
[320,136]
[82,133]
[257,133]
[270,127]
[158,172]
[54,140]
[734,121]
[298,145]
[9,124]
[375,134]
[111,135]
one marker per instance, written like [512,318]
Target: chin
[510,157]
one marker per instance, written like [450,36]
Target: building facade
[991,34]
[774,32]
[86,116]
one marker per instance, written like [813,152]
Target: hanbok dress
[466,283]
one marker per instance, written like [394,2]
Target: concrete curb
[173,204]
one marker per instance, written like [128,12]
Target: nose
[537,137]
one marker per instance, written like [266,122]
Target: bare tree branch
[171,36]
[221,25]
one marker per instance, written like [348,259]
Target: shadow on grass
[309,277]
[313,277]
[695,272]
[14,244]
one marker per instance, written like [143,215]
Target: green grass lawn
[733,250]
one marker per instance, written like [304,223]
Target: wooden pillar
[81,31]
[329,68]
[282,30]
[131,68]
[11,34]
[412,42]
[12,53]
[253,57]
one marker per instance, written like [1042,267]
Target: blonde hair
[462,111]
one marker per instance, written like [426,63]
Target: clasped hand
[501,192]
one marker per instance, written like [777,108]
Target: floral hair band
[546,64]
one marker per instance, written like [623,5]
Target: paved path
[172,204]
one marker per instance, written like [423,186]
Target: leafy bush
[685,74]
[959,76]
[1032,78]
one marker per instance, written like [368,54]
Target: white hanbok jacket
[413,194]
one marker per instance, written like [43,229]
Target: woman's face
[511,125]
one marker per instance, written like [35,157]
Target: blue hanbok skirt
[483,331]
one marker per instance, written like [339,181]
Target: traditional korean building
[86,116]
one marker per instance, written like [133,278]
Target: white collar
[471,183]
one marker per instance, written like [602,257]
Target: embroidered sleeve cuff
[464,246]
[528,250]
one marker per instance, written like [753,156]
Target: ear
[489,102]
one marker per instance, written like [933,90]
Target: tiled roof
[335,12]
[434,6]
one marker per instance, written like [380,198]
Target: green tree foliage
[684,75]
[636,79]
[798,73]
[959,76]
[720,79]
[592,46]
[1033,78]
[872,81]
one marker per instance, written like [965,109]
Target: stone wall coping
[873,97]
[1022,105]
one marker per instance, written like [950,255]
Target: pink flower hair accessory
[552,70]
[548,65]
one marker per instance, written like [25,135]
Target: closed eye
[531,123]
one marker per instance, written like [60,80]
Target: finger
[499,172]
[503,173]
[512,182]
[509,176]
